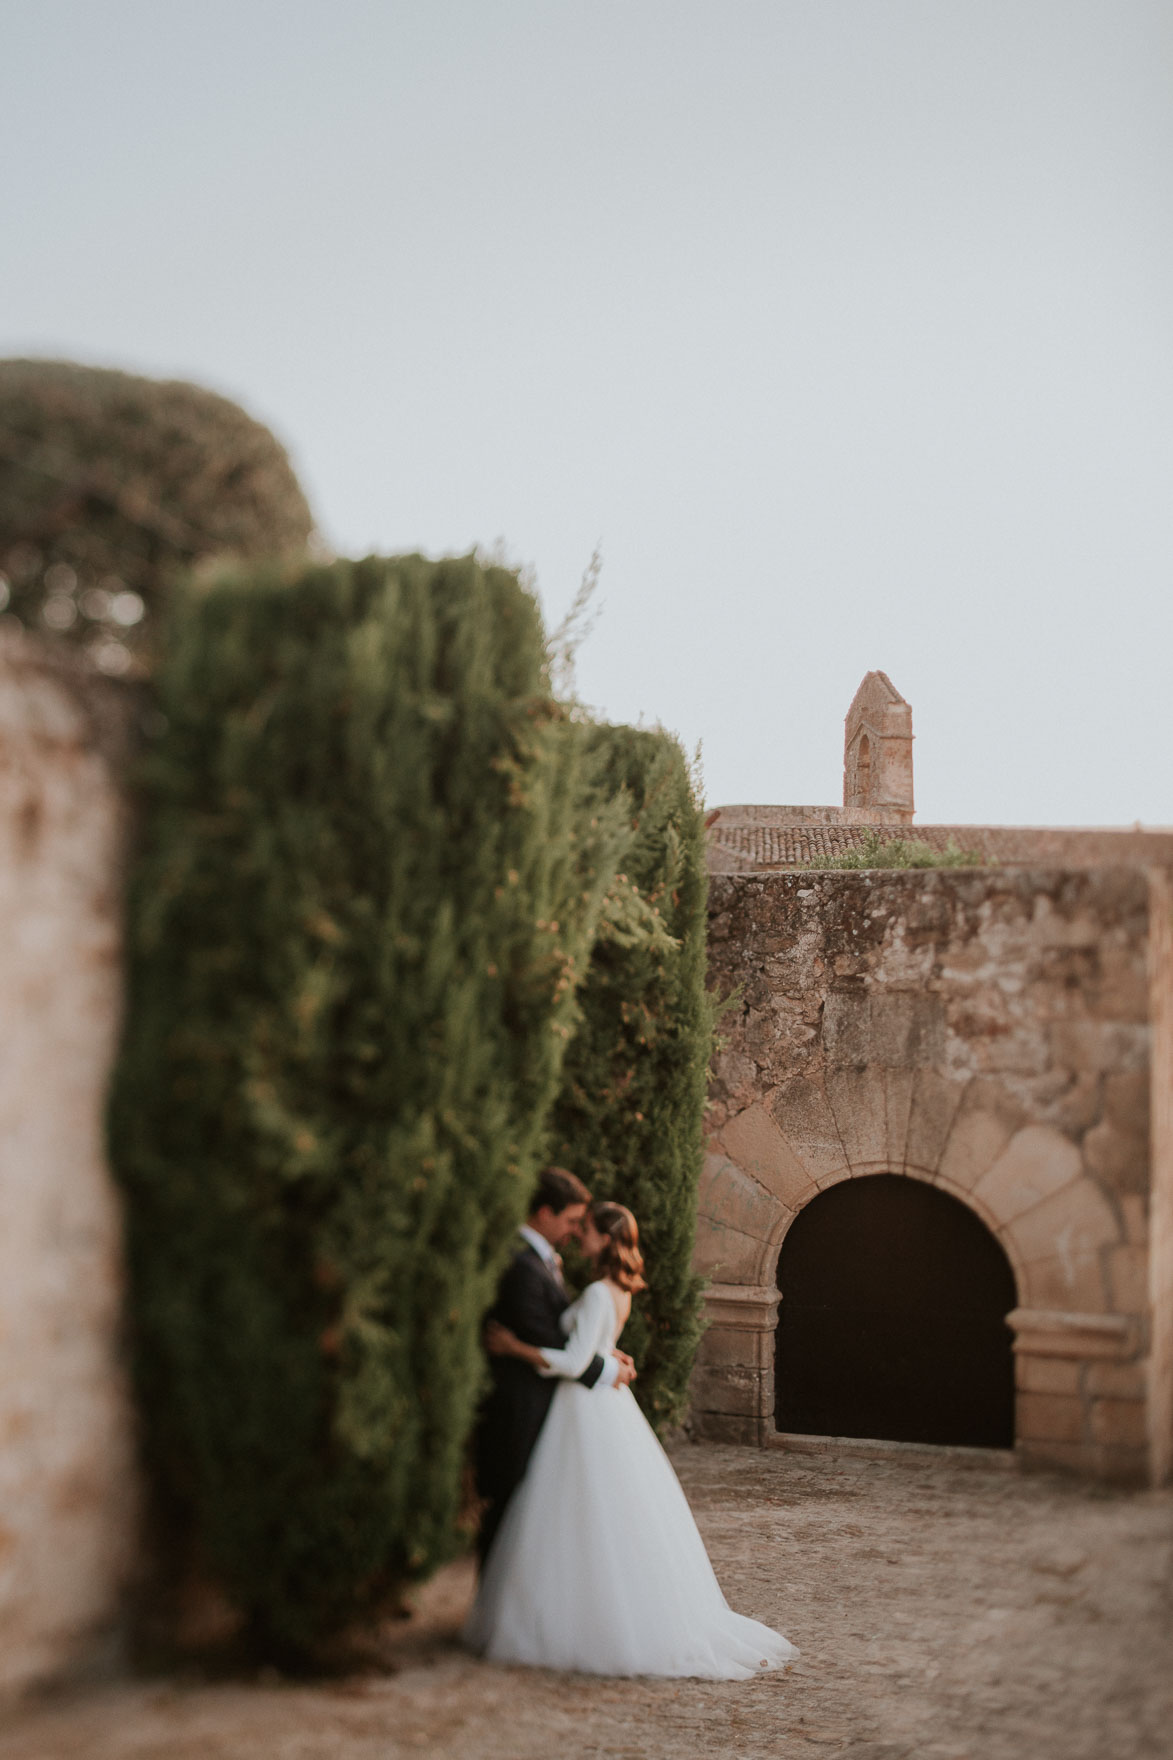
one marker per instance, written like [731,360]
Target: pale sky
[844,326]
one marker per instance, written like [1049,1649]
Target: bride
[598,1564]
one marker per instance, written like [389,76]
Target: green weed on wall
[367,890]
[877,851]
[629,1114]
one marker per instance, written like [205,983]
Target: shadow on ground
[944,1612]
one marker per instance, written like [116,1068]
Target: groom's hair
[556,1189]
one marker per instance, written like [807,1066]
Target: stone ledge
[1052,1332]
[748,1307]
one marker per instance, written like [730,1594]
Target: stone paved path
[944,1611]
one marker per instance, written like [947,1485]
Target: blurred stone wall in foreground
[68,1502]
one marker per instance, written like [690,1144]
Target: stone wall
[67,1497]
[1161,1219]
[762,840]
[989,1032]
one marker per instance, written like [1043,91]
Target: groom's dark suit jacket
[530,1301]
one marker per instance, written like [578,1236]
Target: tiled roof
[750,848]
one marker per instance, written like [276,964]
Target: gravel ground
[945,1611]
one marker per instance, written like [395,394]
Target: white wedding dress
[597,1564]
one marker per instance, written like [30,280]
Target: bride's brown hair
[621,1259]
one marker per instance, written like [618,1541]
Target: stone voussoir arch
[1025,1181]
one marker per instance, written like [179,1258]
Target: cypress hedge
[112,484]
[629,1116]
[367,889]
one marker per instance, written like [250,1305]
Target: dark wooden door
[892,1322]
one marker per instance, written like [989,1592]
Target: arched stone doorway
[892,1322]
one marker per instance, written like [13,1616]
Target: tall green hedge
[629,1114]
[367,891]
[111,484]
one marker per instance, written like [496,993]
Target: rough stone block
[1054,928]
[1008,1049]
[1068,1282]
[898,1087]
[1126,1102]
[936,1100]
[1036,1162]
[1128,1279]
[735,1073]
[1117,1380]
[726,1427]
[902,1029]
[1135,1211]
[1100,1046]
[1120,1422]
[753,1141]
[724,1252]
[1046,1374]
[726,1347]
[986,1120]
[735,1391]
[803,1115]
[1120,992]
[1117,1157]
[1068,1103]
[1072,1223]
[731,1197]
[859,1103]
[1049,1417]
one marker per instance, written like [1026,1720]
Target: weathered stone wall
[67,1500]
[989,1032]
[1161,1219]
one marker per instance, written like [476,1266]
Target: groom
[530,1299]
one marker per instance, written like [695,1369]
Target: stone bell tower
[877,755]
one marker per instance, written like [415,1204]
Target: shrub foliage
[366,893]
[629,1114]
[111,484]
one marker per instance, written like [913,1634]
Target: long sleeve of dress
[590,1335]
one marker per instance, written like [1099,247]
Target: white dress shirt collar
[540,1245]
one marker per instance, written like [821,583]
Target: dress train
[598,1564]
